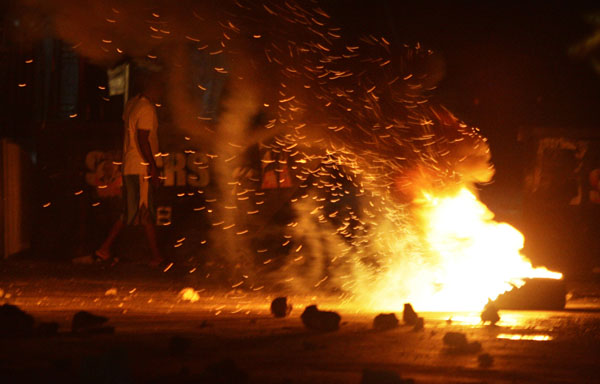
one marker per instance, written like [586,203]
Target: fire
[472,257]
[450,256]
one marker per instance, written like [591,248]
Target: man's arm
[146,151]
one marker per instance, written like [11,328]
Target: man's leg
[104,251]
[129,195]
[153,242]
[148,218]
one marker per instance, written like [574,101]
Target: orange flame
[467,257]
[478,258]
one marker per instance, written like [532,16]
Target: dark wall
[561,205]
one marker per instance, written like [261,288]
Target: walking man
[140,173]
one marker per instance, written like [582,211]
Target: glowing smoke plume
[352,118]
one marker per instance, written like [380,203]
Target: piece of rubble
[86,322]
[385,321]
[317,320]
[409,316]
[373,376]
[455,339]
[15,322]
[472,347]
[419,324]
[535,294]
[485,360]
[280,307]
[490,313]
[456,342]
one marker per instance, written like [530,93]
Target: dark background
[507,70]
[507,67]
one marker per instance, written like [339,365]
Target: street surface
[162,336]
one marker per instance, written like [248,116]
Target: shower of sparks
[353,137]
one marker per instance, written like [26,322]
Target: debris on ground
[455,339]
[224,372]
[372,376]
[409,316]
[15,322]
[419,324]
[317,320]
[86,322]
[485,360]
[456,342]
[535,294]
[280,307]
[490,313]
[385,321]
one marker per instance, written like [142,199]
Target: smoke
[352,118]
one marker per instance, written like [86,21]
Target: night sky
[507,66]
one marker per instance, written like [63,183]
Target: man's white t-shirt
[139,113]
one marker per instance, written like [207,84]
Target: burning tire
[535,294]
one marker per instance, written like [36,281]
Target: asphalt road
[160,336]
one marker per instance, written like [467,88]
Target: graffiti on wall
[103,171]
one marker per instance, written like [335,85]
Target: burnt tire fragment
[409,316]
[456,342]
[385,321]
[280,307]
[322,321]
[14,322]
[86,322]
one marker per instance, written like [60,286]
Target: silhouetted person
[140,173]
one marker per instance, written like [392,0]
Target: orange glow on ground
[514,336]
